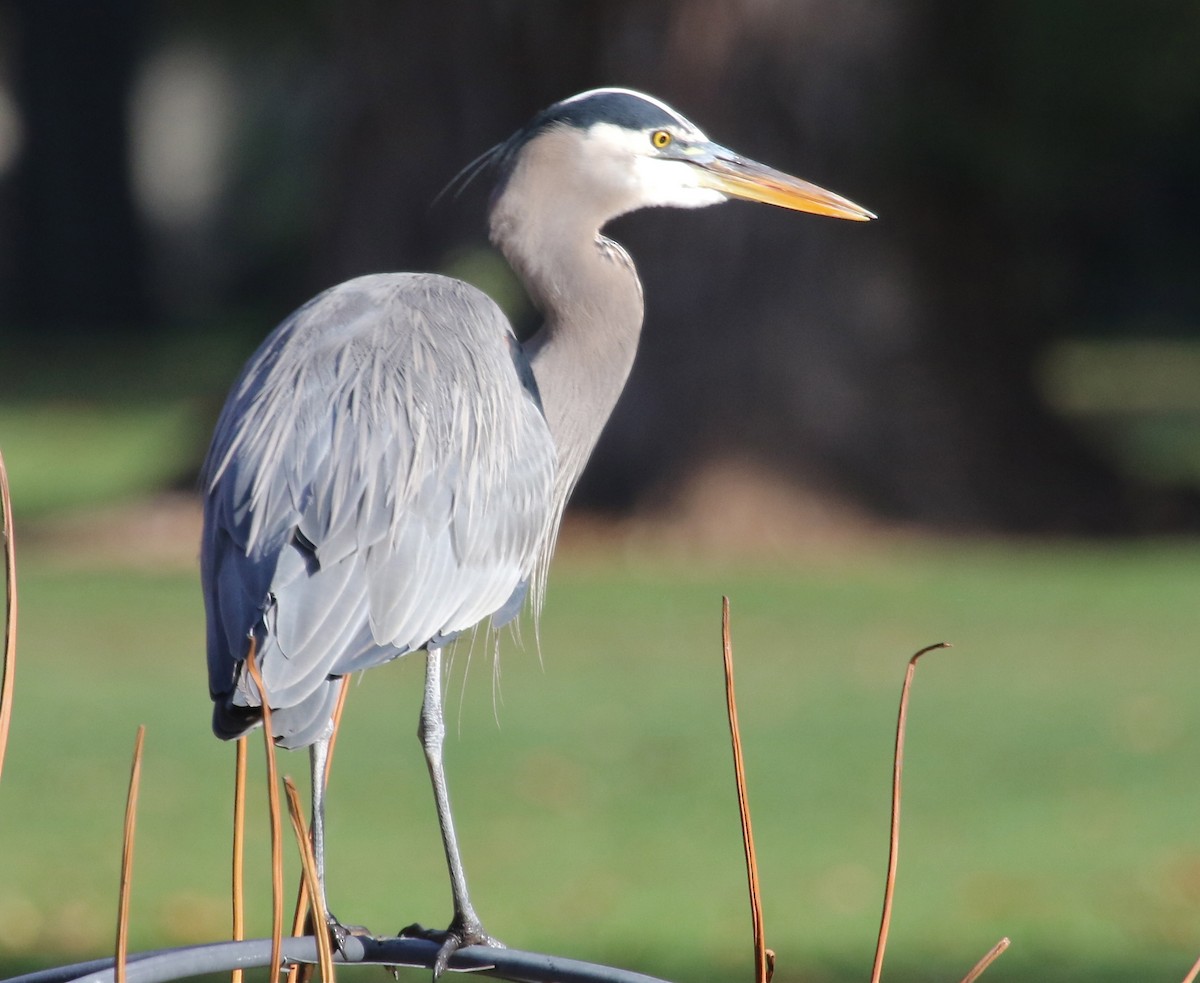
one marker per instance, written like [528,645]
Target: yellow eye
[660,139]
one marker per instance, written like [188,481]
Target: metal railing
[183,963]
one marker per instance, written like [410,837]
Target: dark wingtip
[231,721]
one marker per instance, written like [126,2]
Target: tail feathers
[293,727]
[231,721]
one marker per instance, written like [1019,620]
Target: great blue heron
[392,465]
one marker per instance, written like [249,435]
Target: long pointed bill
[739,177]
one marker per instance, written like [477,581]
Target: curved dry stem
[8,658]
[885,920]
[300,972]
[1193,973]
[239,848]
[309,865]
[300,916]
[993,954]
[135,776]
[764,958]
[337,723]
[273,808]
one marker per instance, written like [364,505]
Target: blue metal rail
[182,963]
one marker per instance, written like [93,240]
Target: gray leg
[318,755]
[465,929]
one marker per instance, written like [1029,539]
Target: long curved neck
[588,291]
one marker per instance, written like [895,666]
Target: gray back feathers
[381,479]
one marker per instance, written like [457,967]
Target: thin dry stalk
[301,913]
[239,848]
[273,808]
[1193,973]
[764,958]
[297,973]
[8,659]
[885,920]
[135,777]
[337,723]
[308,862]
[993,954]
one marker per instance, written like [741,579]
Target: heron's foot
[339,933]
[461,934]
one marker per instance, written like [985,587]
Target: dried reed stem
[296,974]
[308,862]
[885,920]
[337,723]
[273,808]
[1193,973]
[239,848]
[135,775]
[8,658]
[764,958]
[993,954]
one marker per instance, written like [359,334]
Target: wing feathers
[386,424]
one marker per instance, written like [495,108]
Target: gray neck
[588,291]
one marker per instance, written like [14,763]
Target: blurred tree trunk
[80,262]
[892,361]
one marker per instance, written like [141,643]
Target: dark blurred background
[1013,346]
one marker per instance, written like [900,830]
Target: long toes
[449,947]
[418,931]
[452,943]
[458,936]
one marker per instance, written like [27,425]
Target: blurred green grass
[97,420]
[64,455]
[1053,773]
[1051,787]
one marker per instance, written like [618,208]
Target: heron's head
[615,150]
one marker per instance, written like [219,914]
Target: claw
[457,936]
[339,933]
[456,940]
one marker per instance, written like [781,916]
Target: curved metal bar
[161,966]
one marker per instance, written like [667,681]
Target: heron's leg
[466,928]
[318,755]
